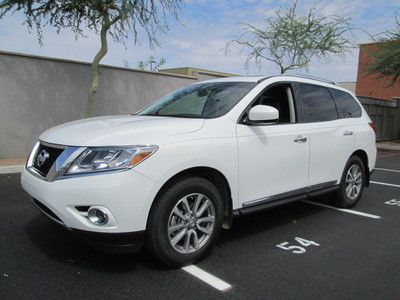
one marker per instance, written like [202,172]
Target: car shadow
[263,221]
[59,244]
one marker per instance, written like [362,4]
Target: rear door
[331,137]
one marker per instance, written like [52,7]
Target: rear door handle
[300,139]
[348,132]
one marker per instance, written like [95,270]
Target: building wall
[368,85]
[180,71]
[386,116]
[350,85]
[204,76]
[37,93]
[200,74]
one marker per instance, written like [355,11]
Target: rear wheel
[352,183]
[185,222]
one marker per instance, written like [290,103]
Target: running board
[286,198]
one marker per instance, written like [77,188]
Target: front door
[273,158]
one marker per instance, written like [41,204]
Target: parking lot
[298,251]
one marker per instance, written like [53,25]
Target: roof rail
[311,77]
[264,78]
[300,76]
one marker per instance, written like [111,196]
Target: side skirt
[285,198]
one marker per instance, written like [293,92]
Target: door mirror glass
[263,114]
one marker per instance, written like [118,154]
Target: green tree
[386,57]
[151,64]
[291,40]
[119,19]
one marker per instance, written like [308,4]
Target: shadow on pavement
[59,244]
[263,221]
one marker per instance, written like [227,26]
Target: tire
[164,218]
[342,197]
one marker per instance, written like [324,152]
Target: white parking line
[208,278]
[350,211]
[388,170]
[384,183]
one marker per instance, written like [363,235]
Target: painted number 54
[295,248]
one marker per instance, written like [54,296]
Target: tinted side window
[317,103]
[276,97]
[346,104]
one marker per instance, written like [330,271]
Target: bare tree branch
[290,40]
[118,18]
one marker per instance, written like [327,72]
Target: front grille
[47,211]
[83,209]
[45,158]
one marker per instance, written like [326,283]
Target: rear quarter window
[347,105]
[317,103]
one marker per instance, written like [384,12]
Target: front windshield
[205,100]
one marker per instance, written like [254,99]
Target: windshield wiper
[173,115]
[182,116]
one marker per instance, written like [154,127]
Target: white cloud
[209,25]
[180,44]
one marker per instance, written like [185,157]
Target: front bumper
[112,242]
[127,195]
[125,242]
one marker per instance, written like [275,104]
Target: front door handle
[348,132]
[300,139]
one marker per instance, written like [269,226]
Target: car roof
[285,77]
[238,79]
[262,78]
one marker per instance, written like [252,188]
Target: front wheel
[185,222]
[352,183]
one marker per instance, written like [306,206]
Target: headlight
[97,159]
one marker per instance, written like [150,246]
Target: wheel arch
[364,157]
[213,175]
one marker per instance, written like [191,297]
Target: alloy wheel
[353,182]
[191,223]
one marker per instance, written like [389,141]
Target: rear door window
[347,105]
[317,103]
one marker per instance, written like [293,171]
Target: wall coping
[201,71]
[57,59]
[379,102]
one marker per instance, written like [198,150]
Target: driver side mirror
[263,114]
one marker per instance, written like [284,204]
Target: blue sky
[208,26]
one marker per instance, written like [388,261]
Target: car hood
[120,130]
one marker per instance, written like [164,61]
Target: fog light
[97,216]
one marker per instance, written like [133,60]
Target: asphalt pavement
[298,251]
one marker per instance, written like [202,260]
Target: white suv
[175,173]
